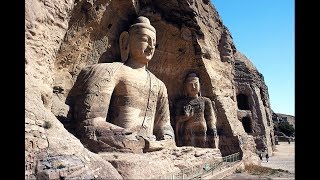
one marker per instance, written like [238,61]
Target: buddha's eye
[144,39]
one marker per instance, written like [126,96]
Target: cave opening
[242,101]
[246,122]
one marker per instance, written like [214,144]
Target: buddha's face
[193,87]
[142,44]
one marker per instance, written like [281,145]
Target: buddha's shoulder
[205,99]
[102,66]
[156,79]
[98,71]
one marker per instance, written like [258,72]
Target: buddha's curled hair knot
[142,22]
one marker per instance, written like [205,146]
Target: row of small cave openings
[243,104]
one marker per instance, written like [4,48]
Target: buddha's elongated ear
[124,46]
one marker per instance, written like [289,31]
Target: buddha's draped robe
[200,118]
[116,93]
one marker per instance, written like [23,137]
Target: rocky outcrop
[45,136]
[156,164]
[253,103]
[62,37]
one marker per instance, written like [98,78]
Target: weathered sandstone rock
[62,37]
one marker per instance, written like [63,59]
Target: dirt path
[283,158]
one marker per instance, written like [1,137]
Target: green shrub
[286,128]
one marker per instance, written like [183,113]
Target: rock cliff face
[62,37]
[253,103]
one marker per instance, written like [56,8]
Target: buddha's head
[139,42]
[192,85]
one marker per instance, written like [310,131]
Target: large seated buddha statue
[122,106]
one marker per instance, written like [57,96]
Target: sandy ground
[283,158]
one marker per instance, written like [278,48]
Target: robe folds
[194,117]
[118,94]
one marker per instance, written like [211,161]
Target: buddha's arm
[162,127]
[210,118]
[94,87]
[180,117]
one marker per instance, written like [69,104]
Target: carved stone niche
[194,116]
[122,106]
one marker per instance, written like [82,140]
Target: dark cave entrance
[242,101]
[246,122]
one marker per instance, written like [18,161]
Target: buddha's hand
[101,124]
[188,110]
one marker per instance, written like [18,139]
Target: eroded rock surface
[154,165]
[253,104]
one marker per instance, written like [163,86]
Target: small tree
[286,128]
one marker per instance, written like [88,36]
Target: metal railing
[232,157]
[195,172]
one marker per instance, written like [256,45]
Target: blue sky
[263,30]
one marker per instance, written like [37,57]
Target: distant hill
[278,117]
